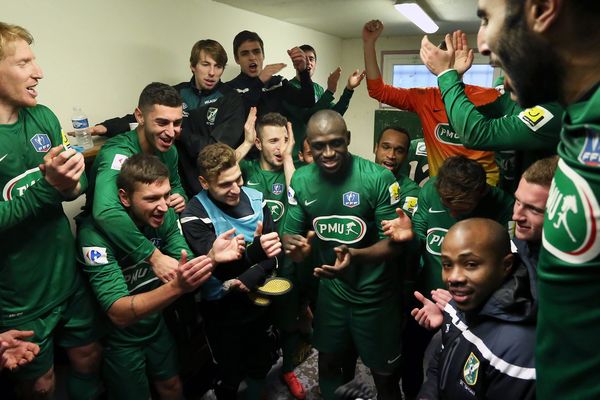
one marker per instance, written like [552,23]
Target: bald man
[344,199]
[488,331]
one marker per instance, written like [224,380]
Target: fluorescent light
[417,16]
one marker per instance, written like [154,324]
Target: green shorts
[73,323]
[373,329]
[129,369]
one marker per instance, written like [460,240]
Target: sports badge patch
[351,199]
[535,117]
[41,142]
[471,370]
[94,255]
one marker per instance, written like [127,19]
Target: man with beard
[439,136]
[159,114]
[212,111]
[519,136]
[343,199]
[488,337]
[299,116]
[259,86]
[550,51]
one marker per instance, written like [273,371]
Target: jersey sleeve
[387,197]
[295,218]
[171,232]
[342,104]
[536,128]
[303,97]
[419,219]
[387,94]
[172,160]
[110,215]
[409,197]
[117,125]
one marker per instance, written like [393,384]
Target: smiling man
[487,340]
[159,114]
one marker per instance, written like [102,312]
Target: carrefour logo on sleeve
[94,255]
[445,134]
[572,218]
[345,229]
[434,239]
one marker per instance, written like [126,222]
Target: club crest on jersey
[572,218]
[211,115]
[276,207]
[535,117]
[394,190]
[351,199]
[345,229]
[445,134]
[94,255]
[41,142]
[434,239]
[471,369]
[118,161]
[590,154]
[277,189]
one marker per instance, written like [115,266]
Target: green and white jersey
[567,355]
[409,194]
[299,116]
[432,221]
[346,209]
[37,247]
[416,166]
[103,199]
[271,184]
[114,274]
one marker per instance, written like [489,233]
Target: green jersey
[37,246]
[432,221]
[271,184]
[346,209]
[567,356]
[114,273]
[416,166]
[502,126]
[299,116]
[409,194]
[103,199]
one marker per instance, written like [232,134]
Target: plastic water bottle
[81,124]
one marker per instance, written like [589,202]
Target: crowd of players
[225,192]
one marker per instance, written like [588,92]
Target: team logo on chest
[572,218]
[471,370]
[277,189]
[41,142]
[445,134]
[590,154]
[340,228]
[277,209]
[434,239]
[211,114]
[351,199]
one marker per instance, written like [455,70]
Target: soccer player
[503,126]
[40,289]
[139,348]
[550,52]
[440,138]
[259,86]
[488,339]
[236,326]
[299,116]
[305,154]
[391,151]
[159,114]
[213,112]
[343,199]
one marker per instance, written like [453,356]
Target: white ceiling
[345,18]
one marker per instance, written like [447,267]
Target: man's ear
[139,117]
[375,148]
[541,14]
[258,143]
[124,198]
[507,264]
[349,136]
[203,182]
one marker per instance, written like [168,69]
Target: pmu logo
[340,228]
[434,239]
[572,218]
[277,209]
[445,134]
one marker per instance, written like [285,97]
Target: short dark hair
[211,47]
[246,36]
[215,158]
[308,47]
[395,128]
[161,94]
[459,178]
[541,172]
[141,168]
[270,119]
